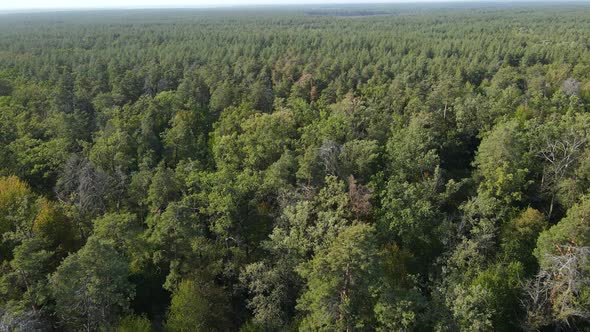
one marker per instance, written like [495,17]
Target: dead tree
[560,155]
[553,296]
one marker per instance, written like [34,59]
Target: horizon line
[287,4]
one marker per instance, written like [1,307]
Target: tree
[134,323]
[25,216]
[86,189]
[265,138]
[339,279]
[222,97]
[193,92]
[261,96]
[519,238]
[91,287]
[130,86]
[52,224]
[358,158]
[413,192]
[255,143]
[558,295]
[197,307]
[183,140]
[503,163]
[38,161]
[17,207]
[122,231]
[400,304]
[24,287]
[502,283]
[114,150]
[274,288]
[163,189]
[562,148]
[571,230]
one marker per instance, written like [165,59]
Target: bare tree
[560,155]
[27,320]
[329,154]
[553,296]
[571,87]
[86,188]
[360,198]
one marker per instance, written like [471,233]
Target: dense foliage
[394,168]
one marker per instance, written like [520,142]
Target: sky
[49,4]
[74,4]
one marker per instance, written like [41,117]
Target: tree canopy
[420,167]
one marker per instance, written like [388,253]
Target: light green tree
[339,280]
[198,307]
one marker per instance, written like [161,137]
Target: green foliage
[273,286]
[133,323]
[91,287]
[519,238]
[339,280]
[502,284]
[503,163]
[364,167]
[123,232]
[198,306]
[163,188]
[17,206]
[23,284]
[571,230]
[182,140]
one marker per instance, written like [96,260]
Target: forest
[404,167]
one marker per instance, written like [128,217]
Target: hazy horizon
[105,4]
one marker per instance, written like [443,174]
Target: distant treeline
[337,12]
